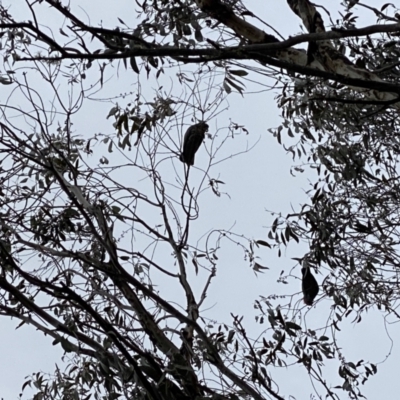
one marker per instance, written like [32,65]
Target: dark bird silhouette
[309,286]
[194,137]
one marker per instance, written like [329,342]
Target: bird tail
[307,301]
[188,162]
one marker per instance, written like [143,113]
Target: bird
[309,286]
[192,140]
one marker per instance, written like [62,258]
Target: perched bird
[309,286]
[194,136]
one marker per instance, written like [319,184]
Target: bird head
[203,125]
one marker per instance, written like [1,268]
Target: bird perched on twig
[192,140]
[309,286]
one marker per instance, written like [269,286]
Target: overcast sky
[257,181]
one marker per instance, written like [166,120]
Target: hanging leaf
[134,66]
[238,72]
[262,243]
[198,36]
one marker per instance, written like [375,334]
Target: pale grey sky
[255,181]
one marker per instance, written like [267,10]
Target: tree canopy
[95,226]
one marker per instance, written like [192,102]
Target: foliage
[87,249]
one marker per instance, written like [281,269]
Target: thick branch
[224,52]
